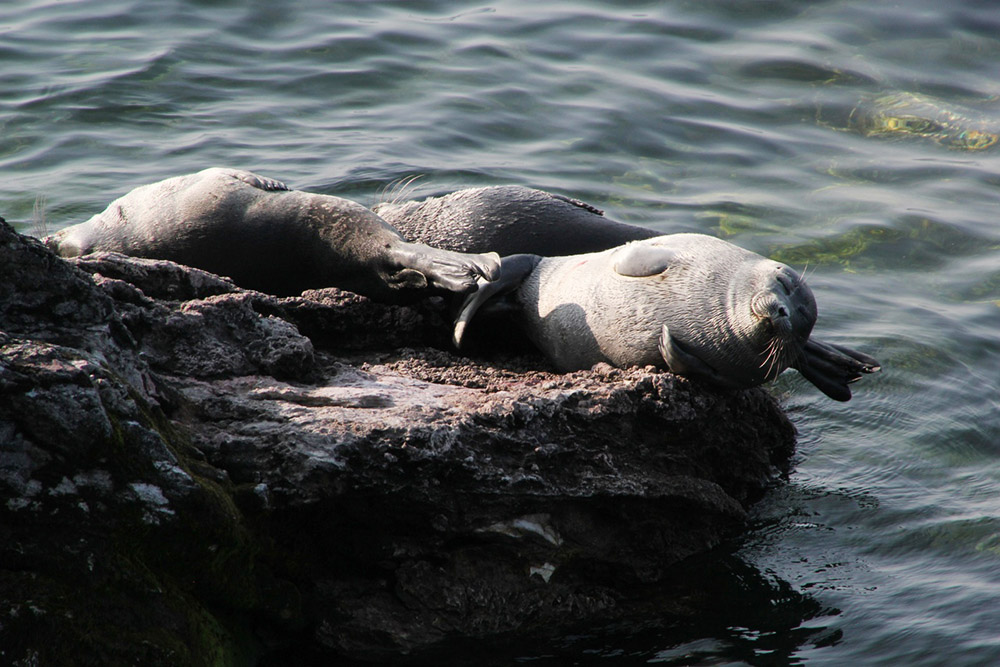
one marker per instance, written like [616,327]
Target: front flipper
[639,260]
[443,269]
[513,270]
[832,367]
[681,362]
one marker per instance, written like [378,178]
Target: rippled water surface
[850,139]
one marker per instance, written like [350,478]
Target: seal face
[266,236]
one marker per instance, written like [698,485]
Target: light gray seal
[699,306]
[268,237]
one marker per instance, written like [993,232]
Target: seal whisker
[380,193]
[775,358]
[781,363]
[767,353]
[804,276]
[397,190]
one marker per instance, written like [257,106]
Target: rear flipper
[513,270]
[832,367]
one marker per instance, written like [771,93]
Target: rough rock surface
[191,473]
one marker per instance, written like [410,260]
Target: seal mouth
[773,357]
[775,317]
[779,354]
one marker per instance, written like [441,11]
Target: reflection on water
[718,610]
[856,142]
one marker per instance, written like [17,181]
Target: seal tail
[832,367]
[513,270]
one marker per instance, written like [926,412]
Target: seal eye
[782,311]
[785,281]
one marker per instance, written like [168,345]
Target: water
[729,117]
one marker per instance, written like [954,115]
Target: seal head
[769,315]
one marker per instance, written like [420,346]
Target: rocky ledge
[191,473]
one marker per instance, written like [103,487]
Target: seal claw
[448,270]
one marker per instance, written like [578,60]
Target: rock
[191,473]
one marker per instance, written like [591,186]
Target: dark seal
[509,219]
[268,237]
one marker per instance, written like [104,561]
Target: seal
[697,305]
[509,219]
[268,237]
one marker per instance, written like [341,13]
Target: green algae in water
[914,243]
[990,545]
[913,115]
